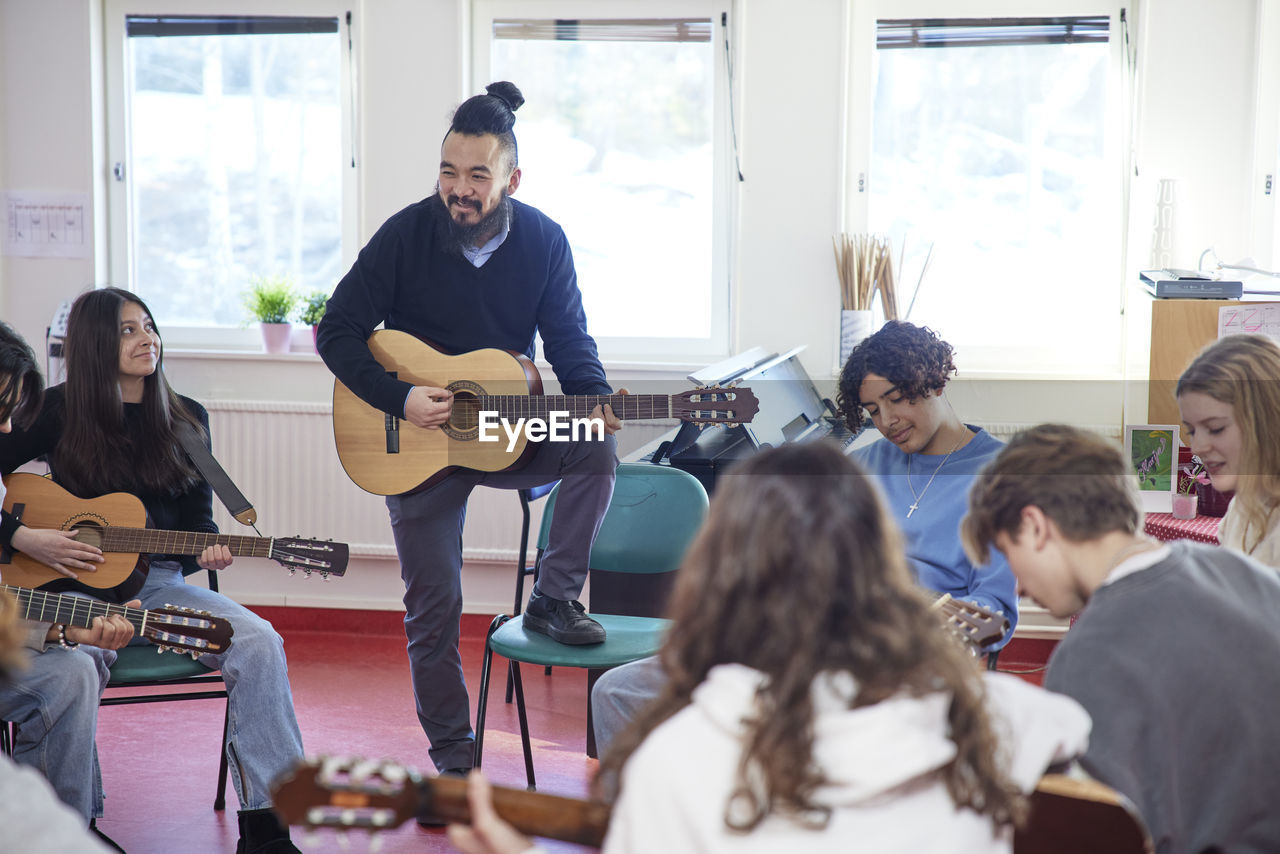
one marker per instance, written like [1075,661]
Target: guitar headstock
[175,629]
[323,556]
[347,793]
[715,405]
[971,622]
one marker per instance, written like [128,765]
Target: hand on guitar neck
[109,631]
[487,833]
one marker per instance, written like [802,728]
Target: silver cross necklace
[915,505]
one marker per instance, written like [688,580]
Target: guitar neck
[625,406]
[42,607]
[150,541]
[533,813]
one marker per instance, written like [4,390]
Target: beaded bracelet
[62,638]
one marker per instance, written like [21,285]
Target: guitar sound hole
[464,418]
[88,533]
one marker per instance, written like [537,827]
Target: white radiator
[1005,430]
[281,455]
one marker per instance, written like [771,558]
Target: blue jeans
[619,695]
[263,739]
[54,702]
[428,532]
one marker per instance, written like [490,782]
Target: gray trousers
[428,532]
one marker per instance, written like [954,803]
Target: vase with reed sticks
[864,263]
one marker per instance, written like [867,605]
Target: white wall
[1196,125]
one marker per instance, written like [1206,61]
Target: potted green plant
[312,310]
[271,300]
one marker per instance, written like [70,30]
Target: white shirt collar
[1136,563]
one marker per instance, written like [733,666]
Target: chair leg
[524,727]
[220,800]
[486,668]
[592,676]
[992,657]
[521,571]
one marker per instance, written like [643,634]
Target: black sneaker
[562,620]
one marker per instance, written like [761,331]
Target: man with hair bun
[469,268]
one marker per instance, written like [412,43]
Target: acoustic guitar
[1067,814]
[116,523]
[350,793]
[386,455]
[171,628]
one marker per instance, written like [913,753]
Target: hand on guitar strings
[428,406]
[612,423]
[487,834]
[58,550]
[109,632]
[215,557]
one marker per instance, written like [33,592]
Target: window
[623,143]
[230,154]
[990,153]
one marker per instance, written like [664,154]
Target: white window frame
[994,360]
[115,55]
[616,350]
[1266,146]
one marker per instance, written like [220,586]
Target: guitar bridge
[392,426]
[393,434]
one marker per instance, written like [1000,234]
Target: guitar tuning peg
[292,571]
[311,838]
[324,576]
[344,839]
[306,573]
[160,649]
[375,845]
[194,655]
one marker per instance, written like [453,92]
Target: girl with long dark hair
[112,427]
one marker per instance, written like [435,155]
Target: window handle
[118,170]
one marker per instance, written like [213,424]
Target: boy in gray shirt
[1175,656]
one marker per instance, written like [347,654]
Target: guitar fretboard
[43,607]
[148,541]
[625,406]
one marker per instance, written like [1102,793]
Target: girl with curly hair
[812,702]
[1229,397]
[925,460]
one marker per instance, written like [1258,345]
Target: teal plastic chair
[140,667]
[652,519]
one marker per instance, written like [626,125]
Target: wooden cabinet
[1180,329]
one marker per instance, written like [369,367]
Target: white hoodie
[881,761]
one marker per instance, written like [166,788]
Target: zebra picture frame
[1152,450]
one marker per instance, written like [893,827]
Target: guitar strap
[232,498]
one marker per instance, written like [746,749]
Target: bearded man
[464,269]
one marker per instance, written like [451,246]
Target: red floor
[350,681]
[353,698]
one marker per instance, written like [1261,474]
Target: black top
[190,510]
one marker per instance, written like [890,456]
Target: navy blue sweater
[406,279]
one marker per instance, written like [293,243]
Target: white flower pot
[275,337]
